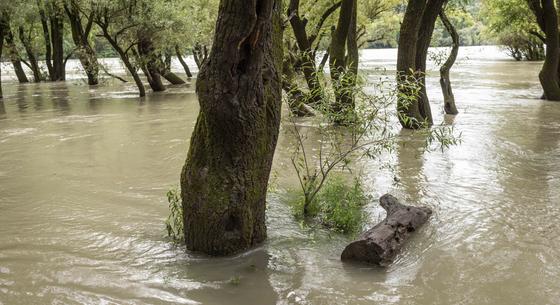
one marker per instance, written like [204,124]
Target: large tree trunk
[224,180]
[80,36]
[426,30]
[33,64]
[416,32]
[381,244]
[445,81]
[547,18]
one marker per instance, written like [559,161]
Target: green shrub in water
[341,205]
[337,206]
[174,222]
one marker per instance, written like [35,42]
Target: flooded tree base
[381,244]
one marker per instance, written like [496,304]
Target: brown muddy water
[84,171]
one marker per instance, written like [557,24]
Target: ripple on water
[83,187]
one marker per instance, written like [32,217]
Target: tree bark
[200,55]
[33,64]
[445,80]
[149,61]
[416,32]
[123,56]
[171,77]
[307,55]
[224,180]
[52,23]
[340,72]
[11,47]
[296,97]
[426,30]
[1,49]
[183,62]
[80,36]
[547,18]
[381,244]
[46,38]
[57,39]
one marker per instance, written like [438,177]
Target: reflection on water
[83,175]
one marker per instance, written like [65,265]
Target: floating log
[381,244]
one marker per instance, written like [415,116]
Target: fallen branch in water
[104,69]
[381,244]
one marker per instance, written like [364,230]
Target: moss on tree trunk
[224,180]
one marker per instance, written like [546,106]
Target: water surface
[84,171]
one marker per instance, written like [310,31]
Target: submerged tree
[224,181]
[547,19]
[416,32]
[303,53]
[81,25]
[2,30]
[512,24]
[113,18]
[26,23]
[52,21]
[344,59]
[11,46]
[445,80]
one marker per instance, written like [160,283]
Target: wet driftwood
[380,244]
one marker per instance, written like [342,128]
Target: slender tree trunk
[307,59]
[47,39]
[305,42]
[31,57]
[200,55]
[183,62]
[445,80]
[224,180]
[125,59]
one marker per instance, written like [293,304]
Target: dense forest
[305,124]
